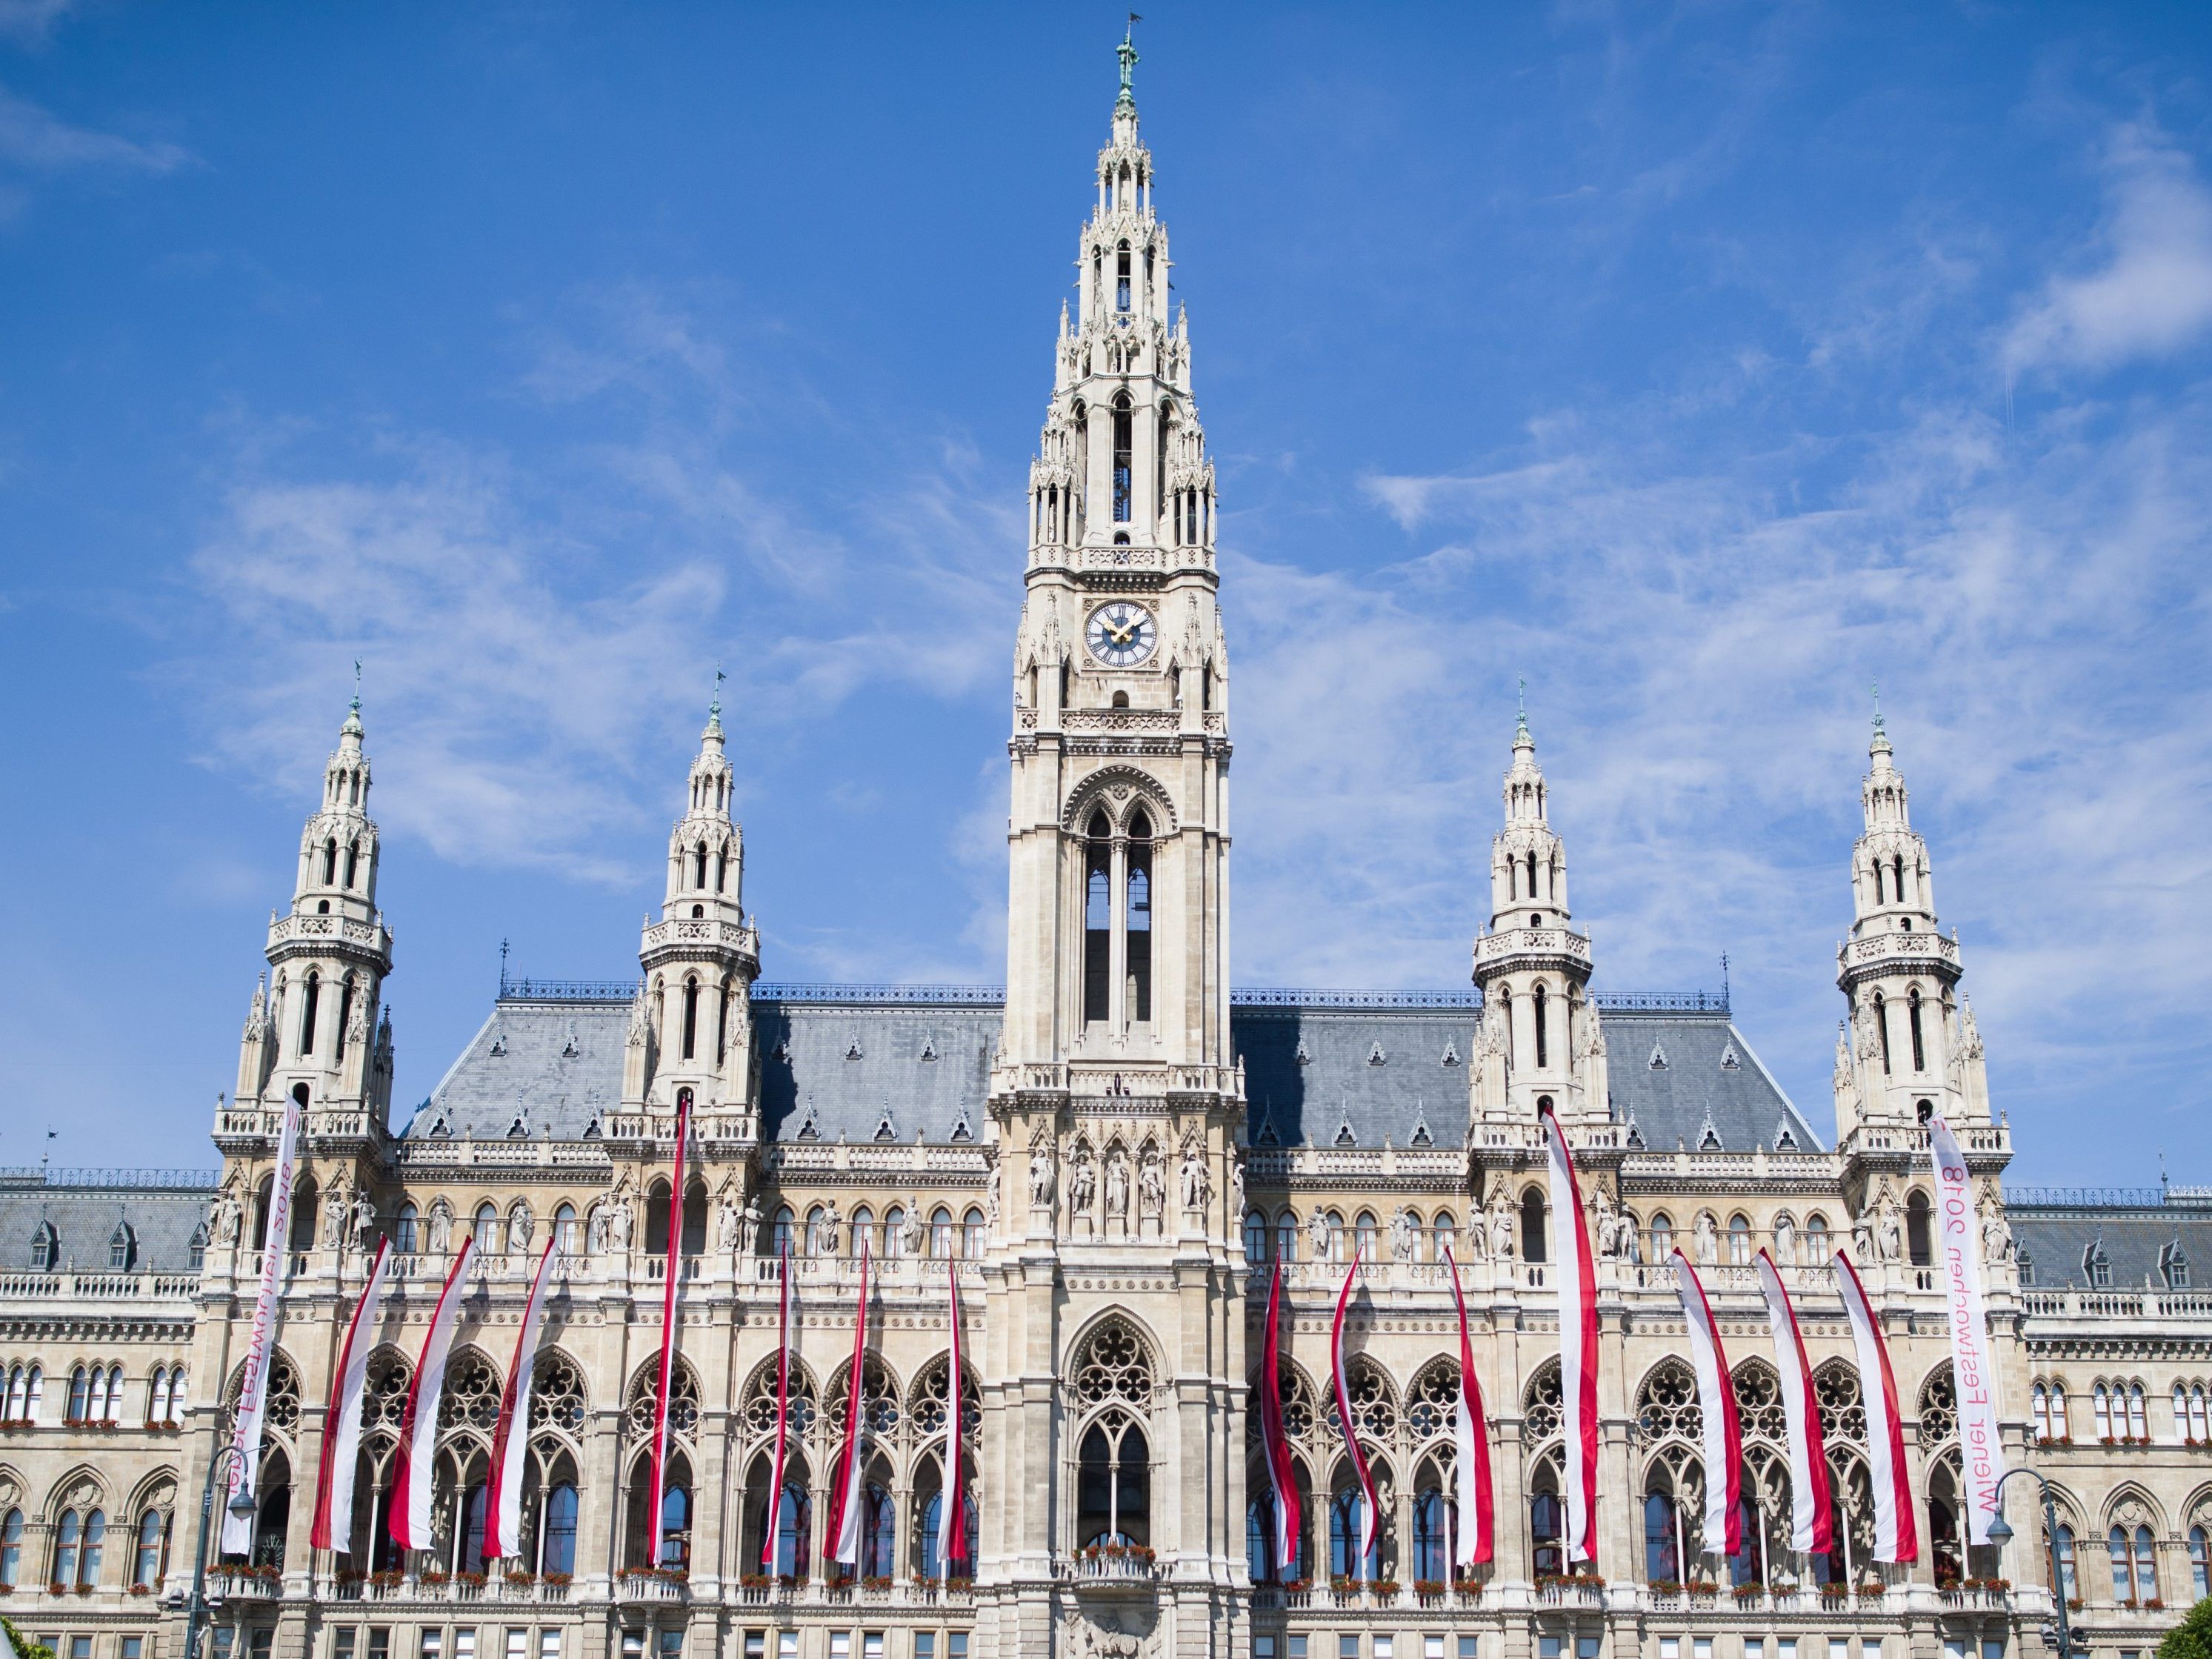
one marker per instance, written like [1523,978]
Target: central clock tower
[1116,1102]
[1117,952]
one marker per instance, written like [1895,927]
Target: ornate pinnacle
[1521,721]
[1127,53]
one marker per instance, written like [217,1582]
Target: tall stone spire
[1541,1039]
[1897,972]
[314,1034]
[702,956]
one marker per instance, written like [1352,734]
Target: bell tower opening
[1098,920]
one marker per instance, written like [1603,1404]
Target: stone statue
[1194,1183]
[595,1228]
[1402,1233]
[1235,1185]
[521,1224]
[1151,1183]
[748,1225]
[1892,1236]
[910,1231]
[991,1198]
[224,1215]
[1117,1183]
[1082,1181]
[725,1225]
[364,1220]
[1607,1243]
[1997,1233]
[1785,1242]
[1477,1238]
[619,1220]
[1863,1236]
[1632,1243]
[1040,1176]
[1707,1242]
[1501,1227]
[832,1224]
[1317,1235]
[441,1226]
[336,1208]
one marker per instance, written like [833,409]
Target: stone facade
[1109,1155]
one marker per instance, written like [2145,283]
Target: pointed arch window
[1879,896]
[690,1018]
[1097,919]
[11,1549]
[1535,1226]
[1125,447]
[1882,1025]
[1538,1001]
[1912,1019]
[311,999]
[1112,1484]
[405,1229]
[1139,945]
[1919,1243]
[1122,278]
[345,1012]
[353,863]
[330,860]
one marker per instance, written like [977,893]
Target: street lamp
[241,1505]
[2001,1534]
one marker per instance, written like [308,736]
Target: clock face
[1120,634]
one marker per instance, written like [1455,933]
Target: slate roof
[162,1208]
[2055,1231]
[833,1061]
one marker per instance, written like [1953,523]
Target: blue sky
[1704,363]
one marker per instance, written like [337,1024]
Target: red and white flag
[416,1485]
[1811,1507]
[845,1491]
[1723,1430]
[1275,1443]
[956,1494]
[772,1529]
[1577,1344]
[1470,1446]
[1896,1536]
[253,1390]
[1973,1369]
[1368,1515]
[341,1455]
[510,1436]
[672,1272]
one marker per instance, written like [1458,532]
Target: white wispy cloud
[35,140]
[2148,288]
[31,23]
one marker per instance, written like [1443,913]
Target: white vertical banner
[254,1390]
[1973,1367]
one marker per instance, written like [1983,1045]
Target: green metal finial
[356,685]
[1520,723]
[1127,54]
[714,708]
[1877,708]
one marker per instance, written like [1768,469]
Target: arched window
[2138,1419]
[1739,1242]
[1543,1044]
[488,1238]
[560,1551]
[70,1532]
[1345,1505]
[1897,876]
[675,1527]
[2039,1400]
[35,1398]
[971,1235]
[1816,1239]
[1662,1536]
[1286,1237]
[780,1231]
[15,1412]
[1546,1527]
[2100,1412]
[1533,1227]
[1256,1239]
[11,1548]
[2200,1563]
[1881,1026]
[157,1397]
[1662,1235]
[1917,1242]
[567,1231]
[95,1535]
[310,999]
[2134,1565]
[878,1531]
[406,1230]
[1364,1236]
[2069,1582]
[1124,450]
[2199,1418]
[1112,1484]
[1122,274]
[895,1231]
[690,1018]
[345,1013]
[1097,920]
[150,1560]
[1431,1534]
[1441,1234]
[353,862]
[330,860]
[1879,896]
[941,1233]
[1138,943]
[80,1394]
[1912,1019]
[794,1516]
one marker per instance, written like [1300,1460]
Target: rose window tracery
[1759,1406]
[472,1395]
[645,1398]
[557,1396]
[1431,1407]
[280,1404]
[1114,1366]
[383,1400]
[1842,1408]
[929,1403]
[1542,1409]
[1374,1407]
[1939,1409]
[1667,1407]
[760,1403]
[879,1401]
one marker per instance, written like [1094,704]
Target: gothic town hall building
[1109,1155]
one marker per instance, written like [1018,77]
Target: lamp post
[241,1505]
[2001,1534]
